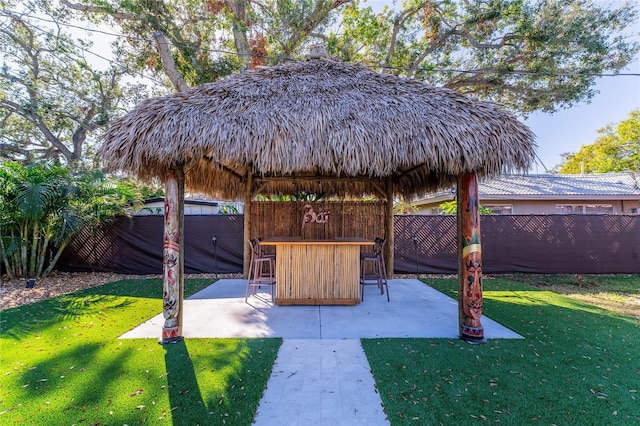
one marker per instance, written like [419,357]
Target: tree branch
[13,148]
[238,7]
[397,26]
[95,9]
[37,122]
[168,63]
[435,45]
[475,43]
[319,14]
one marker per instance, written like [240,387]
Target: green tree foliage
[213,38]
[530,55]
[617,149]
[53,102]
[451,207]
[43,206]
[527,54]
[402,206]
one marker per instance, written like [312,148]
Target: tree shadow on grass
[148,288]
[185,399]
[71,384]
[18,322]
[21,322]
[218,381]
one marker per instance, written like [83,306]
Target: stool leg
[380,278]
[249,273]
[272,277]
[385,280]
[362,268]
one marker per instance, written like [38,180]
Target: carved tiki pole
[173,259]
[469,260]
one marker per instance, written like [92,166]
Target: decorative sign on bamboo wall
[310,216]
[333,219]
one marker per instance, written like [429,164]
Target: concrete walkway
[321,375]
[321,382]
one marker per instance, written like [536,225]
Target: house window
[584,209]
[500,208]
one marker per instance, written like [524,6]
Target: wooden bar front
[317,272]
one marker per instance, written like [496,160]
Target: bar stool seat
[262,269]
[373,270]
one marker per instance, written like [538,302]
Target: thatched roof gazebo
[318,126]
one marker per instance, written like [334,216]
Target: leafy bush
[451,207]
[43,205]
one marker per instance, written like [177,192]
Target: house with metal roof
[606,193]
[192,206]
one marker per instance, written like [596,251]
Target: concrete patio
[415,310]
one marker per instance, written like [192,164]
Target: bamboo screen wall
[364,219]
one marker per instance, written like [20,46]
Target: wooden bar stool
[378,274]
[262,269]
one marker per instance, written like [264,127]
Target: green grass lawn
[62,364]
[578,364]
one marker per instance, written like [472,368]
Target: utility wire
[279,58]
[110,61]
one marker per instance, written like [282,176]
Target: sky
[566,130]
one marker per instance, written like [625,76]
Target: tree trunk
[168,63]
[5,258]
[240,39]
[33,257]
[55,259]
[24,250]
[42,256]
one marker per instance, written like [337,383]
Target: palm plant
[43,206]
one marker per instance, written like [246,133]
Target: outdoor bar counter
[317,272]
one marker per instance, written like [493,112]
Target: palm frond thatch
[318,126]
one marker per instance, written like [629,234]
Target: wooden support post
[173,260]
[469,260]
[389,230]
[248,195]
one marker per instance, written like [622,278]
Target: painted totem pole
[469,260]
[172,260]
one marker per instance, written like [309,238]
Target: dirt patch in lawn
[13,292]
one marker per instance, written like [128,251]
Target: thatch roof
[337,128]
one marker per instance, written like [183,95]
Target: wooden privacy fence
[518,243]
